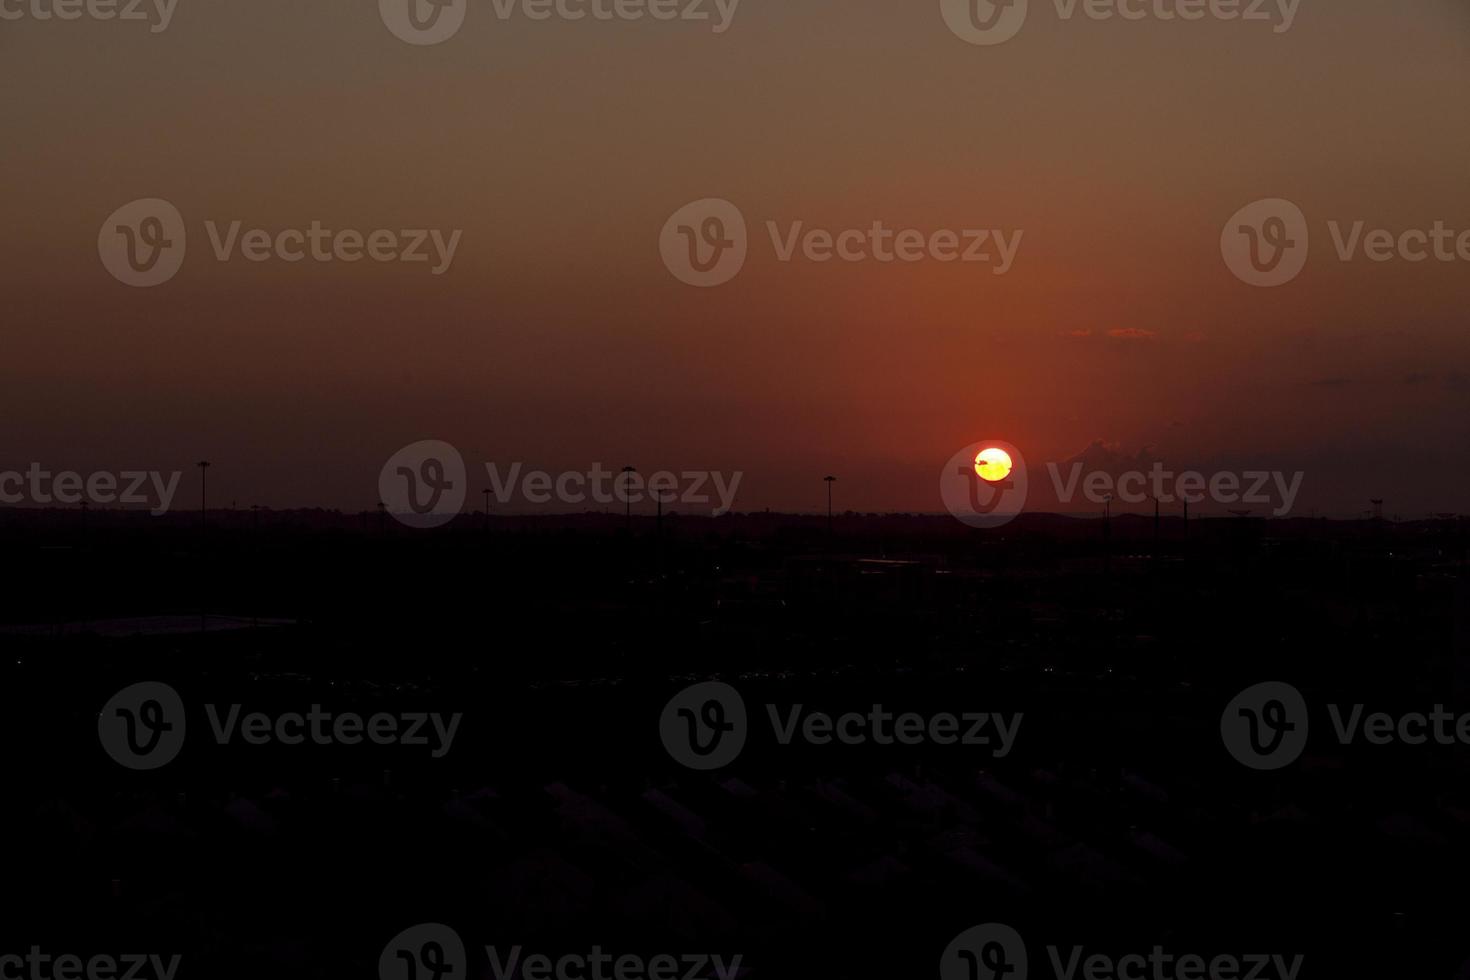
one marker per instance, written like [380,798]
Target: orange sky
[558,337]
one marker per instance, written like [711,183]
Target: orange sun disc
[993,465]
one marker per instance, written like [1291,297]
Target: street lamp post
[829,480]
[628,502]
[255,554]
[203,465]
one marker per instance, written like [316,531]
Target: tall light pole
[486,492]
[203,465]
[83,549]
[628,502]
[255,550]
[829,480]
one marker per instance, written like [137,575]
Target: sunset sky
[558,338]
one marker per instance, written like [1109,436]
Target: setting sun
[993,465]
